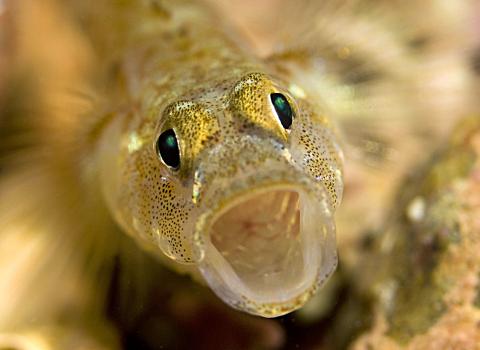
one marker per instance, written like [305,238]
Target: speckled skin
[185,74]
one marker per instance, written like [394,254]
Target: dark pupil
[167,147]
[283,109]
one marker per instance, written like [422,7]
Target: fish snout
[265,230]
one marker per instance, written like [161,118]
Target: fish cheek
[161,215]
[315,148]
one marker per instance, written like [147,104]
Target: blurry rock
[423,269]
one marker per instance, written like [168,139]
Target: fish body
[233,153]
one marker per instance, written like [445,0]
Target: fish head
[242,180]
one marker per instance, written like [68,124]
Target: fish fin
[57,243]
[46,94]
[56,250]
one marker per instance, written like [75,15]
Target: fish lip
[225,283]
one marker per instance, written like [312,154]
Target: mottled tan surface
[425,266]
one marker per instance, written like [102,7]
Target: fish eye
[283,109]
[168,150]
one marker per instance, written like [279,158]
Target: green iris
[167,148]
[283,109]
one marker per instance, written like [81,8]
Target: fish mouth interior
[261,248]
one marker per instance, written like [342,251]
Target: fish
[223,164]
[223,168]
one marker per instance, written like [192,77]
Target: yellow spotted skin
[248,104]
[195,124]
[189,76]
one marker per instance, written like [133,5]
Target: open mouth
[259,238]
[266,250]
